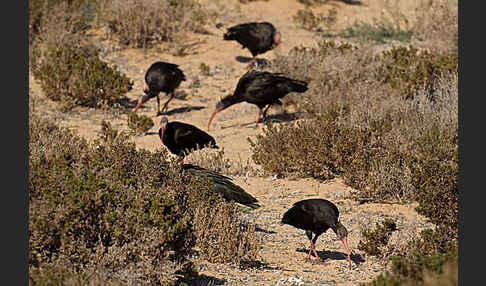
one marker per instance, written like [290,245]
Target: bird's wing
[192,135]
[223,185]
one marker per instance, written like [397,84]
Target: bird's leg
[259,118]
[166,104]
[265,112]
[318,259]
[313,243]
[310,250]
[158,105]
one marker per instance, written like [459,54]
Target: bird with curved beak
[316,216]
[183,138]
[342,233]
[262,89]
[160,77]
[144,98]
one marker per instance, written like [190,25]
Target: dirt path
[284,247]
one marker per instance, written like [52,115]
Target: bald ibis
[262,89]
[223,185]
[161,77]
[258,37]
[182,138]
[316,216]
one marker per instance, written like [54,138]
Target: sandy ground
[284,247]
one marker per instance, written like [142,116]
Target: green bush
[377,238]
[139,124]
[380,31]
[325,148]
[435,178]
[106,207]
[111,206]
[407,69]
[75,75]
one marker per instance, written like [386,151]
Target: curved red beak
[143,98]
[162,132]
[218,109]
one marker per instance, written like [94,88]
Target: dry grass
[143,24]
[222,234]
[436,28]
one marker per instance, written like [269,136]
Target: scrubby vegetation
[142,23]
[387,123]
[376,238]
[139,124]
[75,75]
[383,118]
[109,208]
[315,22]
[380,31]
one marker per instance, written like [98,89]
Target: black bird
[161,77]
[260,88]
[257,37]
[182,138]
[223,185]
[316,216]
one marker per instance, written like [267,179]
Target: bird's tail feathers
[298,86]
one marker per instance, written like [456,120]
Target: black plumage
[257,37]
[262,89]
[161,77]
[223,185]
[316,216]
[182,138]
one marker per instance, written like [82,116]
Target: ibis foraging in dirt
[182,138]
[316,216]
[160,77]
[262,89]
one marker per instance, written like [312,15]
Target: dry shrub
[145,23]
[407,69]
[372,144]
[437,27]
[109,206]
[337,73]
[51,20]
[222,235]
[377,238]
[139,124]
[75,75]
[127,214]
[342,74]
[314,22]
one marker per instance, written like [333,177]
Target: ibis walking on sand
[261,89]
[257,37]
[316,216]
[161,77]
